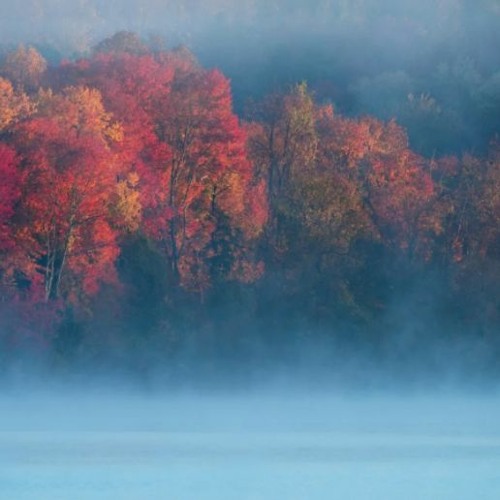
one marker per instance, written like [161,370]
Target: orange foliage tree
[395,184]
[334,182]
[13,105]
[25,67]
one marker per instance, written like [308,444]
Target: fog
[432,65]
[266,445]
[365,56]
[275,389]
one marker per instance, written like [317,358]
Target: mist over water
[351,368]
[432,66]
[263,445]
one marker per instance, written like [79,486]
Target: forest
[161,216]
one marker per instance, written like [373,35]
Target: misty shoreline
[340,226]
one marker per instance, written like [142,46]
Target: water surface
[272,447]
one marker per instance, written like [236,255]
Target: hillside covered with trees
[148,221]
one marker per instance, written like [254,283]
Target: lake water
[105,447]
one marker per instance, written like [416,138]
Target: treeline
[142,220]
[433,65]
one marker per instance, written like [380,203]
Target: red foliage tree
[70,172]
[187,150]
[10,191]
[207,179]
[9,194]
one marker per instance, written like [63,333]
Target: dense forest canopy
[428,63]
[335,182]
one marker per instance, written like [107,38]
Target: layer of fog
[116,408]
[433,65]
[262,445]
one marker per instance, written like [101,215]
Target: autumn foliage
[9,194]
[132,151]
